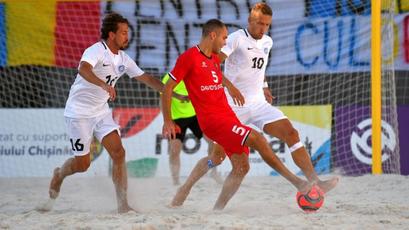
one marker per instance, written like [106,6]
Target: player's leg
[213,171]
[258,142]
[70,166]
[240,167]
[107,132]
[283,130]
[175,147]
[112,143]
[197,131]
[201,168]
[80,133]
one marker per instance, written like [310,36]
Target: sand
[365,202]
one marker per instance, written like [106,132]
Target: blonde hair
[262,8]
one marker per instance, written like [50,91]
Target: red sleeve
[182,67]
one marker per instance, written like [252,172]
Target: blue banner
[332,8]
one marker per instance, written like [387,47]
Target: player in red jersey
[199,68]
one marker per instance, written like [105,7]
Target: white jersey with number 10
[246,64]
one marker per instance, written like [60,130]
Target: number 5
[238,130]
[215,77]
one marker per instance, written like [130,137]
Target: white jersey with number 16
[87,100]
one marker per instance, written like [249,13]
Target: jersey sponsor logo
[211,87]
[266,50]
[121,68]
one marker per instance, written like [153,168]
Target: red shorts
[228,132]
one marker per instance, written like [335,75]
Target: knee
[292,136]
[255,140]
[242,169]
[82,164]
[118,154]
[218,157]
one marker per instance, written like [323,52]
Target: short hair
[110,24]
[262,8]
[212,25]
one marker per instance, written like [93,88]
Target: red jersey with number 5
[203,79]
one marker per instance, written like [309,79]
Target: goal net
[319,71]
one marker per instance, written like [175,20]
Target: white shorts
[258,114]
[82,130]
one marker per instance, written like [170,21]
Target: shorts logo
[360,140]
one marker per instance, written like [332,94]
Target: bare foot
[304,187]
[46,206]
[328,185]
[55,184]
[180,196]
[125,208]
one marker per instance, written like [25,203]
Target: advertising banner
[353,132]
[34,141]
[403,121]
[302,45]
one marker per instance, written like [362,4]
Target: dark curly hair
[110,24]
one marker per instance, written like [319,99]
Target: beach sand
[365,202]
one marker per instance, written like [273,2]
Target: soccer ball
[311,201]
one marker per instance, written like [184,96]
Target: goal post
[376,93]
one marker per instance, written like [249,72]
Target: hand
[170,129]
[238,98]
[110,90]
[267,94]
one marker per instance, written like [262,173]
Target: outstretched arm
[157,85]
[151,81]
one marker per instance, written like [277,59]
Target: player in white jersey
[247,53]
[87,112]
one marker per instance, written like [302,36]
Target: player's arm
[85,70]
[158,85]
[235,93]
[169,127]
[267,92]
